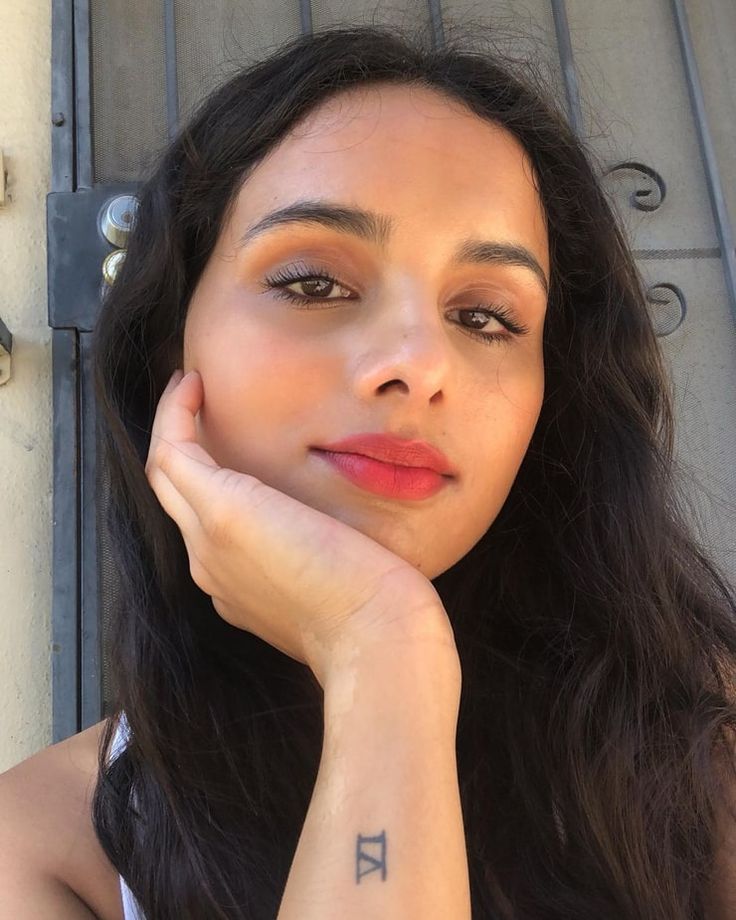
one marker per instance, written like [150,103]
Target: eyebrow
[377,229]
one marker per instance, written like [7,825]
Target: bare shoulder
[46,802]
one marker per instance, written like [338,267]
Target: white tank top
[131,908]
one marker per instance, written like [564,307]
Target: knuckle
[218,520]
[199,573]
[158,455]
[151,471]
[232,491]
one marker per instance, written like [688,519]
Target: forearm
[383,835]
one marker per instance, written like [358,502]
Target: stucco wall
[25,400]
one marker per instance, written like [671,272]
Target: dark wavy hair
[597,639]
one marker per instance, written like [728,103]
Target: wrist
[412,657]
[394,694]
[380,635]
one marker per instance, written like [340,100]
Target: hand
[296,577]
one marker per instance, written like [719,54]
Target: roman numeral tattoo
[367,861]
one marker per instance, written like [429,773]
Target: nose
[411,353]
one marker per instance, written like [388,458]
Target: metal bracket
[77,248]
[6,348]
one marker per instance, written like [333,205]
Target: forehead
[409,152]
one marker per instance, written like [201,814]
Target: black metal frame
[76,248]
[66,447]
[707,152]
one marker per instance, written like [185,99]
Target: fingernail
[174,381]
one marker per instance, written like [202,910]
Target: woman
[516,655]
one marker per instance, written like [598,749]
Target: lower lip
[387,479]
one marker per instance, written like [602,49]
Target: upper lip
[392,449]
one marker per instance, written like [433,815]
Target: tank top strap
[120,738]
[131,908]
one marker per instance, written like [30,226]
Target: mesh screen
[108,578]
[217,38]
[128,86]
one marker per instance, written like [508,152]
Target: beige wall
[25,400]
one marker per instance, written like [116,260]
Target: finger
[174,422]
[177,407]
[199,573]
[211,491]
[174,381]
[174,454]
[174,503]
[188,391]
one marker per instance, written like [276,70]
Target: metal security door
[648,85]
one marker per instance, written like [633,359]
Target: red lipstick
[390,466]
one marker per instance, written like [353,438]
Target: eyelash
[279,281]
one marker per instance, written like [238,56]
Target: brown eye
[482,314]
[316,284]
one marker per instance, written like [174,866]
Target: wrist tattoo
[370,856]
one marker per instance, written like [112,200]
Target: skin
[386,354]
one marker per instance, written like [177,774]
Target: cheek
[523,381]
[504,423]
[260,390]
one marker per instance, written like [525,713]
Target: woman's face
[386,348]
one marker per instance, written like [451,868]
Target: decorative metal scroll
[651,189]
[669,307]
[667,302]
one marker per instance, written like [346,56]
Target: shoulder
[46,803]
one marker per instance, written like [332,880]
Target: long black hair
[597,639]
